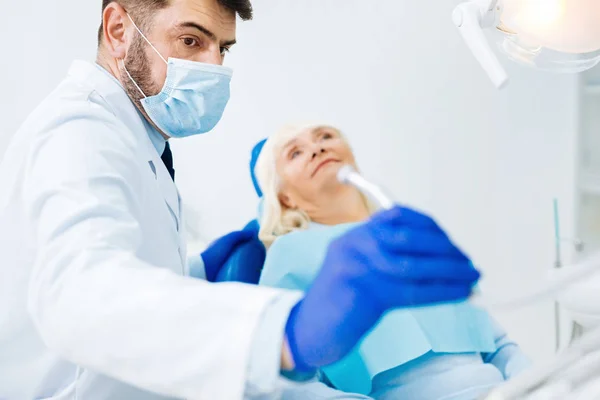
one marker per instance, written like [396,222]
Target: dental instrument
[348,176]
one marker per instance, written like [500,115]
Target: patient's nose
[318,151]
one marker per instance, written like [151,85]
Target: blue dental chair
[246,261]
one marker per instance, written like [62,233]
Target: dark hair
[143,9]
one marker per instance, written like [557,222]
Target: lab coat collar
[111,90]
[157,139]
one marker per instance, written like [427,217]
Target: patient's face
[308,165]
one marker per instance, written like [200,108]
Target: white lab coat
[93,304]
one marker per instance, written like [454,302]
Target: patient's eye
[295,154]
[327,135]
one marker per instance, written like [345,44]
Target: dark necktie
[167,158]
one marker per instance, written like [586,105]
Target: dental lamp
[551,35]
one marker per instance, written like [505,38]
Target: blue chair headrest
[254,158]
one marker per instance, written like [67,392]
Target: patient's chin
[327,176]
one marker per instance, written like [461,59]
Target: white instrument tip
[344,173]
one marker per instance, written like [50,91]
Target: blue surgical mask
[192,99]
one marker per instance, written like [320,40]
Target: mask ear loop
[153,48]
[146,39]
[131,78]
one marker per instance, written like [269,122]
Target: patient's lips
[323,163]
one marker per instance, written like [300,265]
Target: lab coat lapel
[166,185]
[109,88]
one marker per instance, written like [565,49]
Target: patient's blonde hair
[276,219]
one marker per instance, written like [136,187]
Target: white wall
[395,76]
[39,40]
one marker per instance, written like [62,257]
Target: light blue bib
[400,336]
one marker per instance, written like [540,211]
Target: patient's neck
[342,205]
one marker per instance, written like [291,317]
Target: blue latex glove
[220,250]
[400,258]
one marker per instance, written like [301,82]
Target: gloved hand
[400,258]
[221,249]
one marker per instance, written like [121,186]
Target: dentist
[96,301]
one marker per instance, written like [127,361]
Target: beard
[137,64]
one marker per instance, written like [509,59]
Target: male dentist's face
[195,30]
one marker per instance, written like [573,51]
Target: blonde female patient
[449,352]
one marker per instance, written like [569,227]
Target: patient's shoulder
[292,239]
